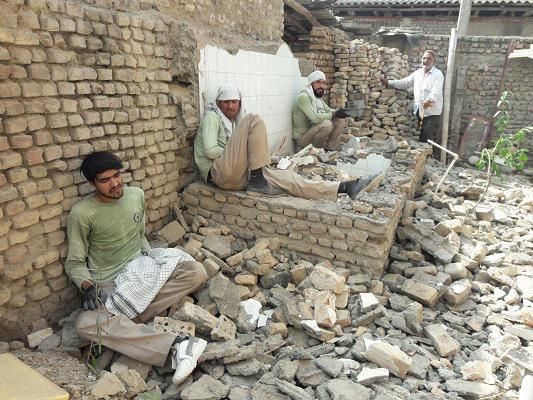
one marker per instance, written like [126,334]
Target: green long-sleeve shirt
[209,142]
[104,237]
[304,115]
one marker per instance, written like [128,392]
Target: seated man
[313,122]
[124,282]
[230,144]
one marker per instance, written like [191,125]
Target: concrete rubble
[451,318]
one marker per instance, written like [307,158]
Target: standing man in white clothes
[426,83]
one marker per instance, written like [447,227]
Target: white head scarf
[227,92]
[313,77]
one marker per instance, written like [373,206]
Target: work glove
[93,297]
[341,113]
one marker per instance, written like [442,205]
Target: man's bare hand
[427,103]
[384,82]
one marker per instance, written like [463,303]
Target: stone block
[37,337]
[203,320]
[458,292]
[425,294]
[388,356]
[172,232]
[224,330]
[325,279]
[444,344]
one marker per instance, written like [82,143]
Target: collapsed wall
[97,75]
[356,236]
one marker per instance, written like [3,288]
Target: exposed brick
[25,219]
[10,159]
[15,271]
[33,156]
[21,141]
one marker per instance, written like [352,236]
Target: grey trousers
[325,134]
[247,149]
[133,338]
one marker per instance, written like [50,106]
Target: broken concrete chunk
[478,371]
[442,341]
[205,388]
[225,329]
[219,245]
[423,293]
[368,302]
[325,279]
[473,389]
[293,391]
[388,356]
[458,292]
[439,247]
[175,326]
[202,319]
[343,389]
[225,294]
[172,232]
[35,338]
[108,385]
[325,314]
[329,365]
[368,376]
[315,331]
[124,363]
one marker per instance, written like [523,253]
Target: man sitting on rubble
[313,122]
[427,84]
[231,144]
[124,282]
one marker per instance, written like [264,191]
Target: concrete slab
[18,381]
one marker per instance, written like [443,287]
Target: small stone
[205,388]
[218,244]
[172,232]
[466,388]
[344,389]
[476,371]
[388,356]
[37,337]
[329,365]
[442,341]
[368,302]
[458,292]
[108,385]
[371,375]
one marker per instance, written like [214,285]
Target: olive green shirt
[304,115]
[209,142]
[104,237]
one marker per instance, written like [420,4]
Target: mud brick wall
[96,75]
[358,239]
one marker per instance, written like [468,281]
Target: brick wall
[98,75]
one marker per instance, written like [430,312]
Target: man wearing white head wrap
[229,145]
[313,122]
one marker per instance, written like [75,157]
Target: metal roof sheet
[429,3]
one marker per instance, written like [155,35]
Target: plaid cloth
[141,280]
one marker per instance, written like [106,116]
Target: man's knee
[198,274]
[85,324]
[325,126]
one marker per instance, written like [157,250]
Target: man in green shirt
[124,282]
[230,145]
[313,122]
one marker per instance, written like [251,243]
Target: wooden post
[448,92]
[464,17]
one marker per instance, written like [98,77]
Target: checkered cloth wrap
[141,280]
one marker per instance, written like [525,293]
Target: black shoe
[353,188]
[264,188]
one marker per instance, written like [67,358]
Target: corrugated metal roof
[429,3]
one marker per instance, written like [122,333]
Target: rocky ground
[452,317]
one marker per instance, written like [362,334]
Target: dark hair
[98,162]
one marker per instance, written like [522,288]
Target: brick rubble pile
[451,318]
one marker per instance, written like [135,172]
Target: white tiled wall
[269,84]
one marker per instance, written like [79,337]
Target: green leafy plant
[506,148]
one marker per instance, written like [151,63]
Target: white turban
[228,92]
[316,76]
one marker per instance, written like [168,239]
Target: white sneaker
[185,356]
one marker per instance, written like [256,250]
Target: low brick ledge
[358,239]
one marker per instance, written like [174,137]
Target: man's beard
[318,92]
